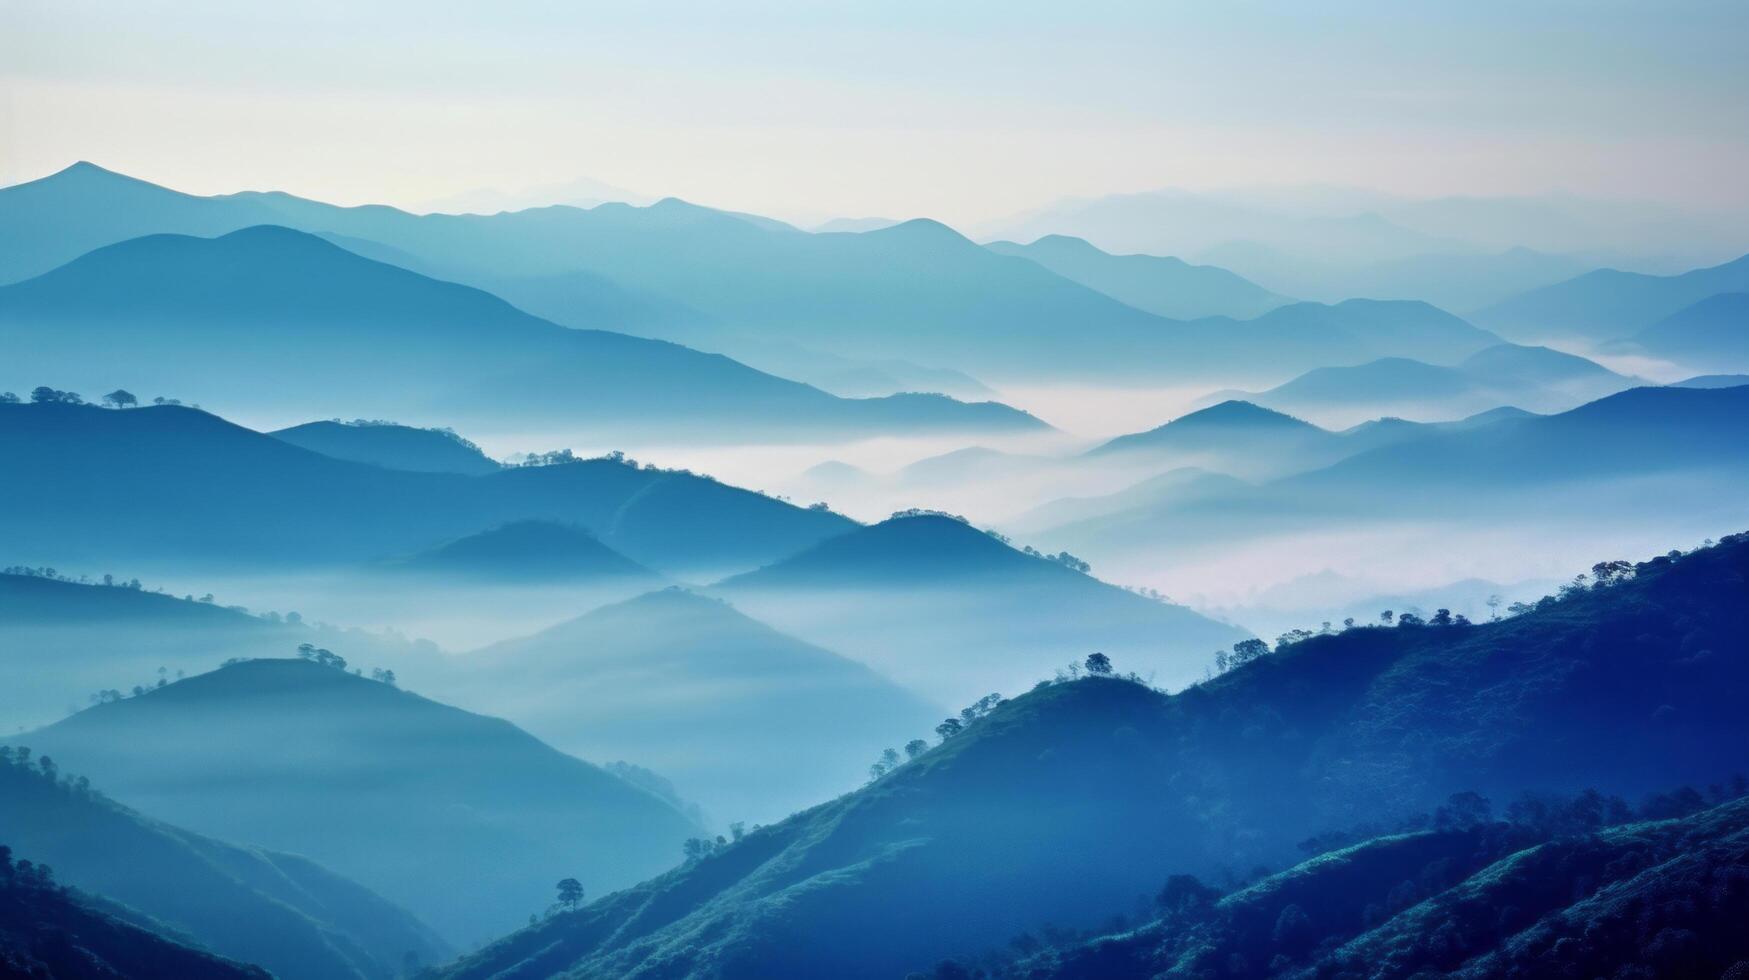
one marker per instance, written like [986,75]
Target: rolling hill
[1608,304]
[282,912]
[224,319]
[1624,688]
[748,722]
[527,551]
[463,819]
[395,447]
[173,483]
[1168,287]
[949,610]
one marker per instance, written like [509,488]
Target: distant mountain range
[1608,304]
[222,319]
[198,488]
[914,291]
[1713,334]
[395,447]
[465,820]
[1536,379]
[950,610]
[1169,287]
[282,912]
[748,722]
[1605,689]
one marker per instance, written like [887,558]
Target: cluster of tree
[926,512]
[1243,653]
[1062,558]
[698,848]
[109,695]
[890,759]
[18,760]
[321,655]
[24,875]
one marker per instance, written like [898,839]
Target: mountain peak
[1236,411]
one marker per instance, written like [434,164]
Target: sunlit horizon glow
[967,113]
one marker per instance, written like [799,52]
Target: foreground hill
[465,820]
[198,487]
[750,723]
[395,447]
[285,913]
[951,611]
[1655,899]
[1064,804]
[51,932]
[226,319]
[1608,304]
[1169,287]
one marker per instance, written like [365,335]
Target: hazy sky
[959,110]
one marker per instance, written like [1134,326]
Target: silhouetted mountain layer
[51,933]
[527,551]
[750,723]
[915,290]
[1533,378]
[62,642]
[1030,815]
[1608,304]
[395,447]
[950,610]
[1662,899]
[1713,334]
[231,318]
[1169,287]
[461,818]
[285,913]
[168,482]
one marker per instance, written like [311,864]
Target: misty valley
[1176,585]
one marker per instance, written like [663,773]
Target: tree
[570,892]
[1494,606]
[1246,651]
[1098,664]
[44,395]
[1386,617]
[8,398]
[949,728]
[915,748]
[120,398]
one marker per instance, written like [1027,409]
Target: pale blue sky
[963,111]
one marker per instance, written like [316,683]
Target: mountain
[1620,688]
[1608,304]
[915,291]
[950,610]
[1536,378]
[1648,897]
[62,642]
[1713,381]
[222,318]
[1169,287]
[1171,488]
[49,931]
[463,819]
[396,447]
[1713,334]
[1233,436]
[198,488]
[751,723]
[285,913]
[527,551]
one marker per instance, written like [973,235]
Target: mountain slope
[223,318]
[409,779]
[198,487]
[283,912]
[1711,335]
[396,447]
[749,722]
[1608,304]
[1169,287]
[48,931]
[1031,814]
[950,610]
